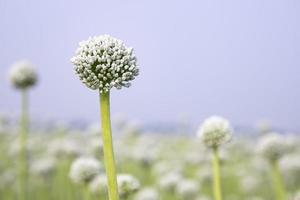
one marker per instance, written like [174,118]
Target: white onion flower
[273,146]
[147,194]
[127,184]
[290,167]
[169,181]
[99,184]
[215,131]
[163,168]
[43,167]
[65,148]
[104,62]
[250,183]
[84,169]
[22,75]
[188,189]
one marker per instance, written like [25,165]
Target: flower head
[215,131]
[188,189]
[169,181]
[127,184]
[99,184]
[104,62]
[43,167]
[250,183]
[22,75]
[290,168]
[273,146]
[147,194]
[84,169]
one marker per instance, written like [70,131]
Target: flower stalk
[87,194]
[277,181]
[109,160]
[216,174]
[23,143]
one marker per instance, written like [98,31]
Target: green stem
[278,181]
[108,147]
[216,175]
[23,148]
[87,194]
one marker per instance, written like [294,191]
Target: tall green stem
[109,160]
[278,181]
[87,194]
[216,175]
[23,147]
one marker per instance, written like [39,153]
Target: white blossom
[22,75]
[188,189]
[147,194]
[250,183]
[65,147]
[43,167]
[169,181]
[104,62]
[273,146]
[84,169]
[127,184]
[215,131]
[290,167]
[99,184]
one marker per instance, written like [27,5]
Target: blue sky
[239,59]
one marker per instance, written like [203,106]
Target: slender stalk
[22,194]
[278,182]
[108,147]
[216,175]
[87,194]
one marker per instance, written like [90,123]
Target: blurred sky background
[239,59]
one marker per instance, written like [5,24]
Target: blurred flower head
[169,181]
[43,167]
[65,148]
[273,146]
[215,131]
[127,184]
[250,183]
[99,184]
[104,62]
[147,194]
[188,189]
[84,169]
[290,167]
[22,75]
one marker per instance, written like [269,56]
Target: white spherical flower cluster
[43,167]
[99,184]
[22,75]
[84,169]
[65,148]
[188,189]
[290,168]
[273,146]
[147,194]
[169,181]
[104,62]
[250,183]
[127,185]
[215,131]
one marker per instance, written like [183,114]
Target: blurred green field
[170,166]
